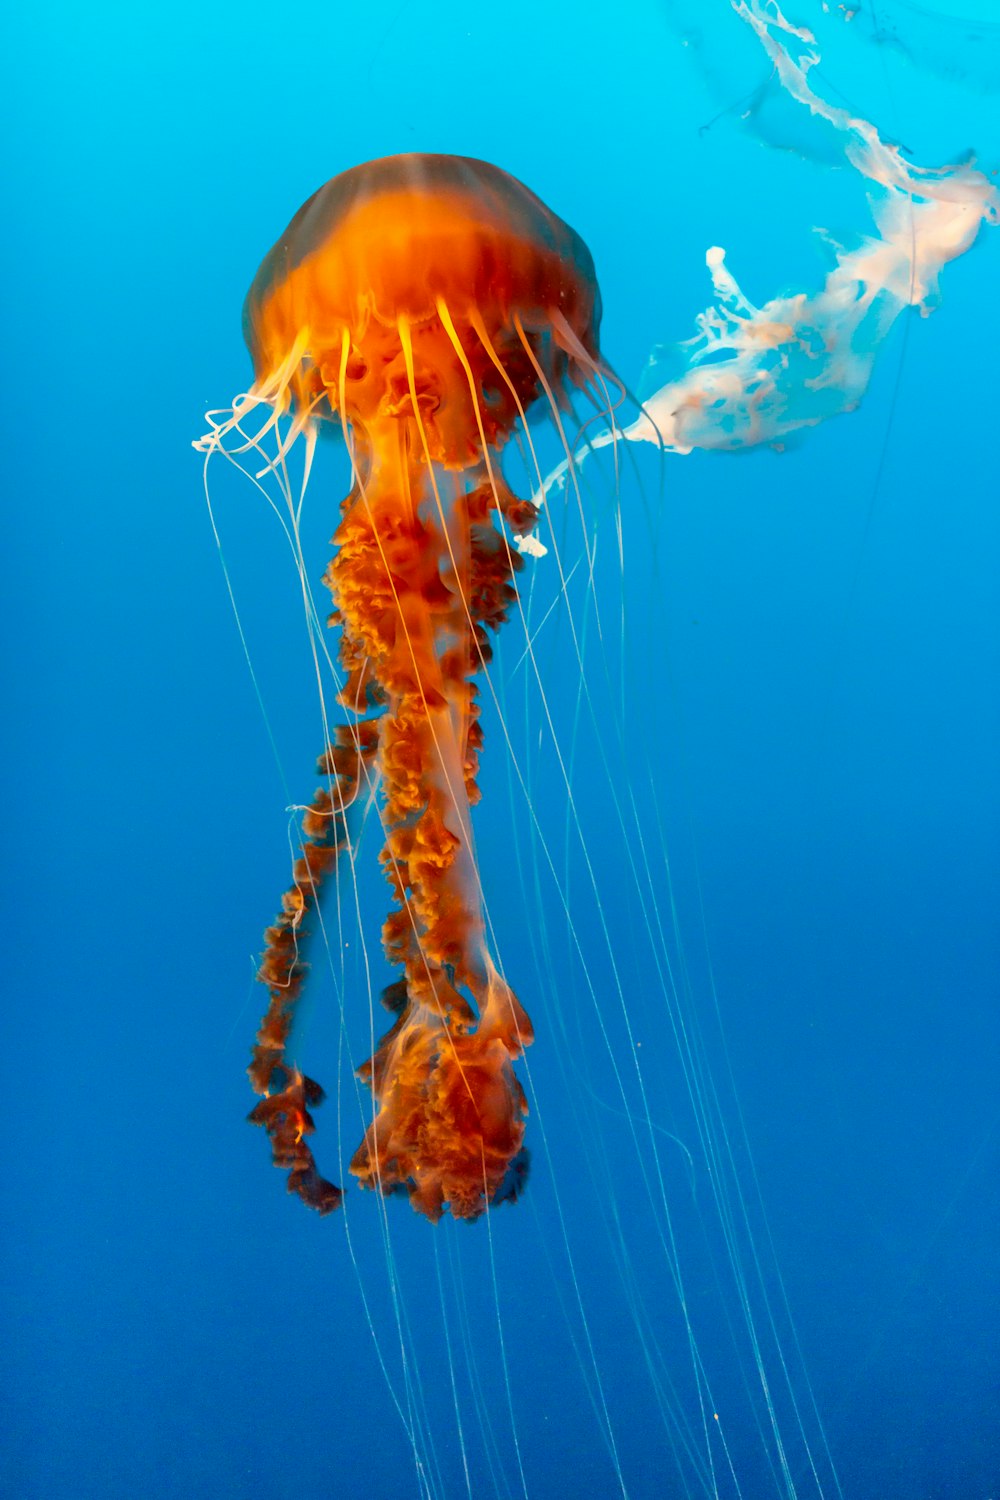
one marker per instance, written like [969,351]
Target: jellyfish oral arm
[289,1096]
[448,1113]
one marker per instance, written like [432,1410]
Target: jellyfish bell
[442,263]
[423,304]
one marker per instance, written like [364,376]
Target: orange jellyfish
[423,304]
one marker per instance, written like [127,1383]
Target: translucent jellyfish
[756,374]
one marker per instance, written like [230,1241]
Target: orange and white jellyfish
[423,304]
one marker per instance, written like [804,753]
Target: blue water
[811,712]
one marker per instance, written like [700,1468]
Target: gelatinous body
[422,303]
[754,375]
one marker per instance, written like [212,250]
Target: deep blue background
[818,702]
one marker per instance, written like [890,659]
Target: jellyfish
[754,375]
[420,304]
